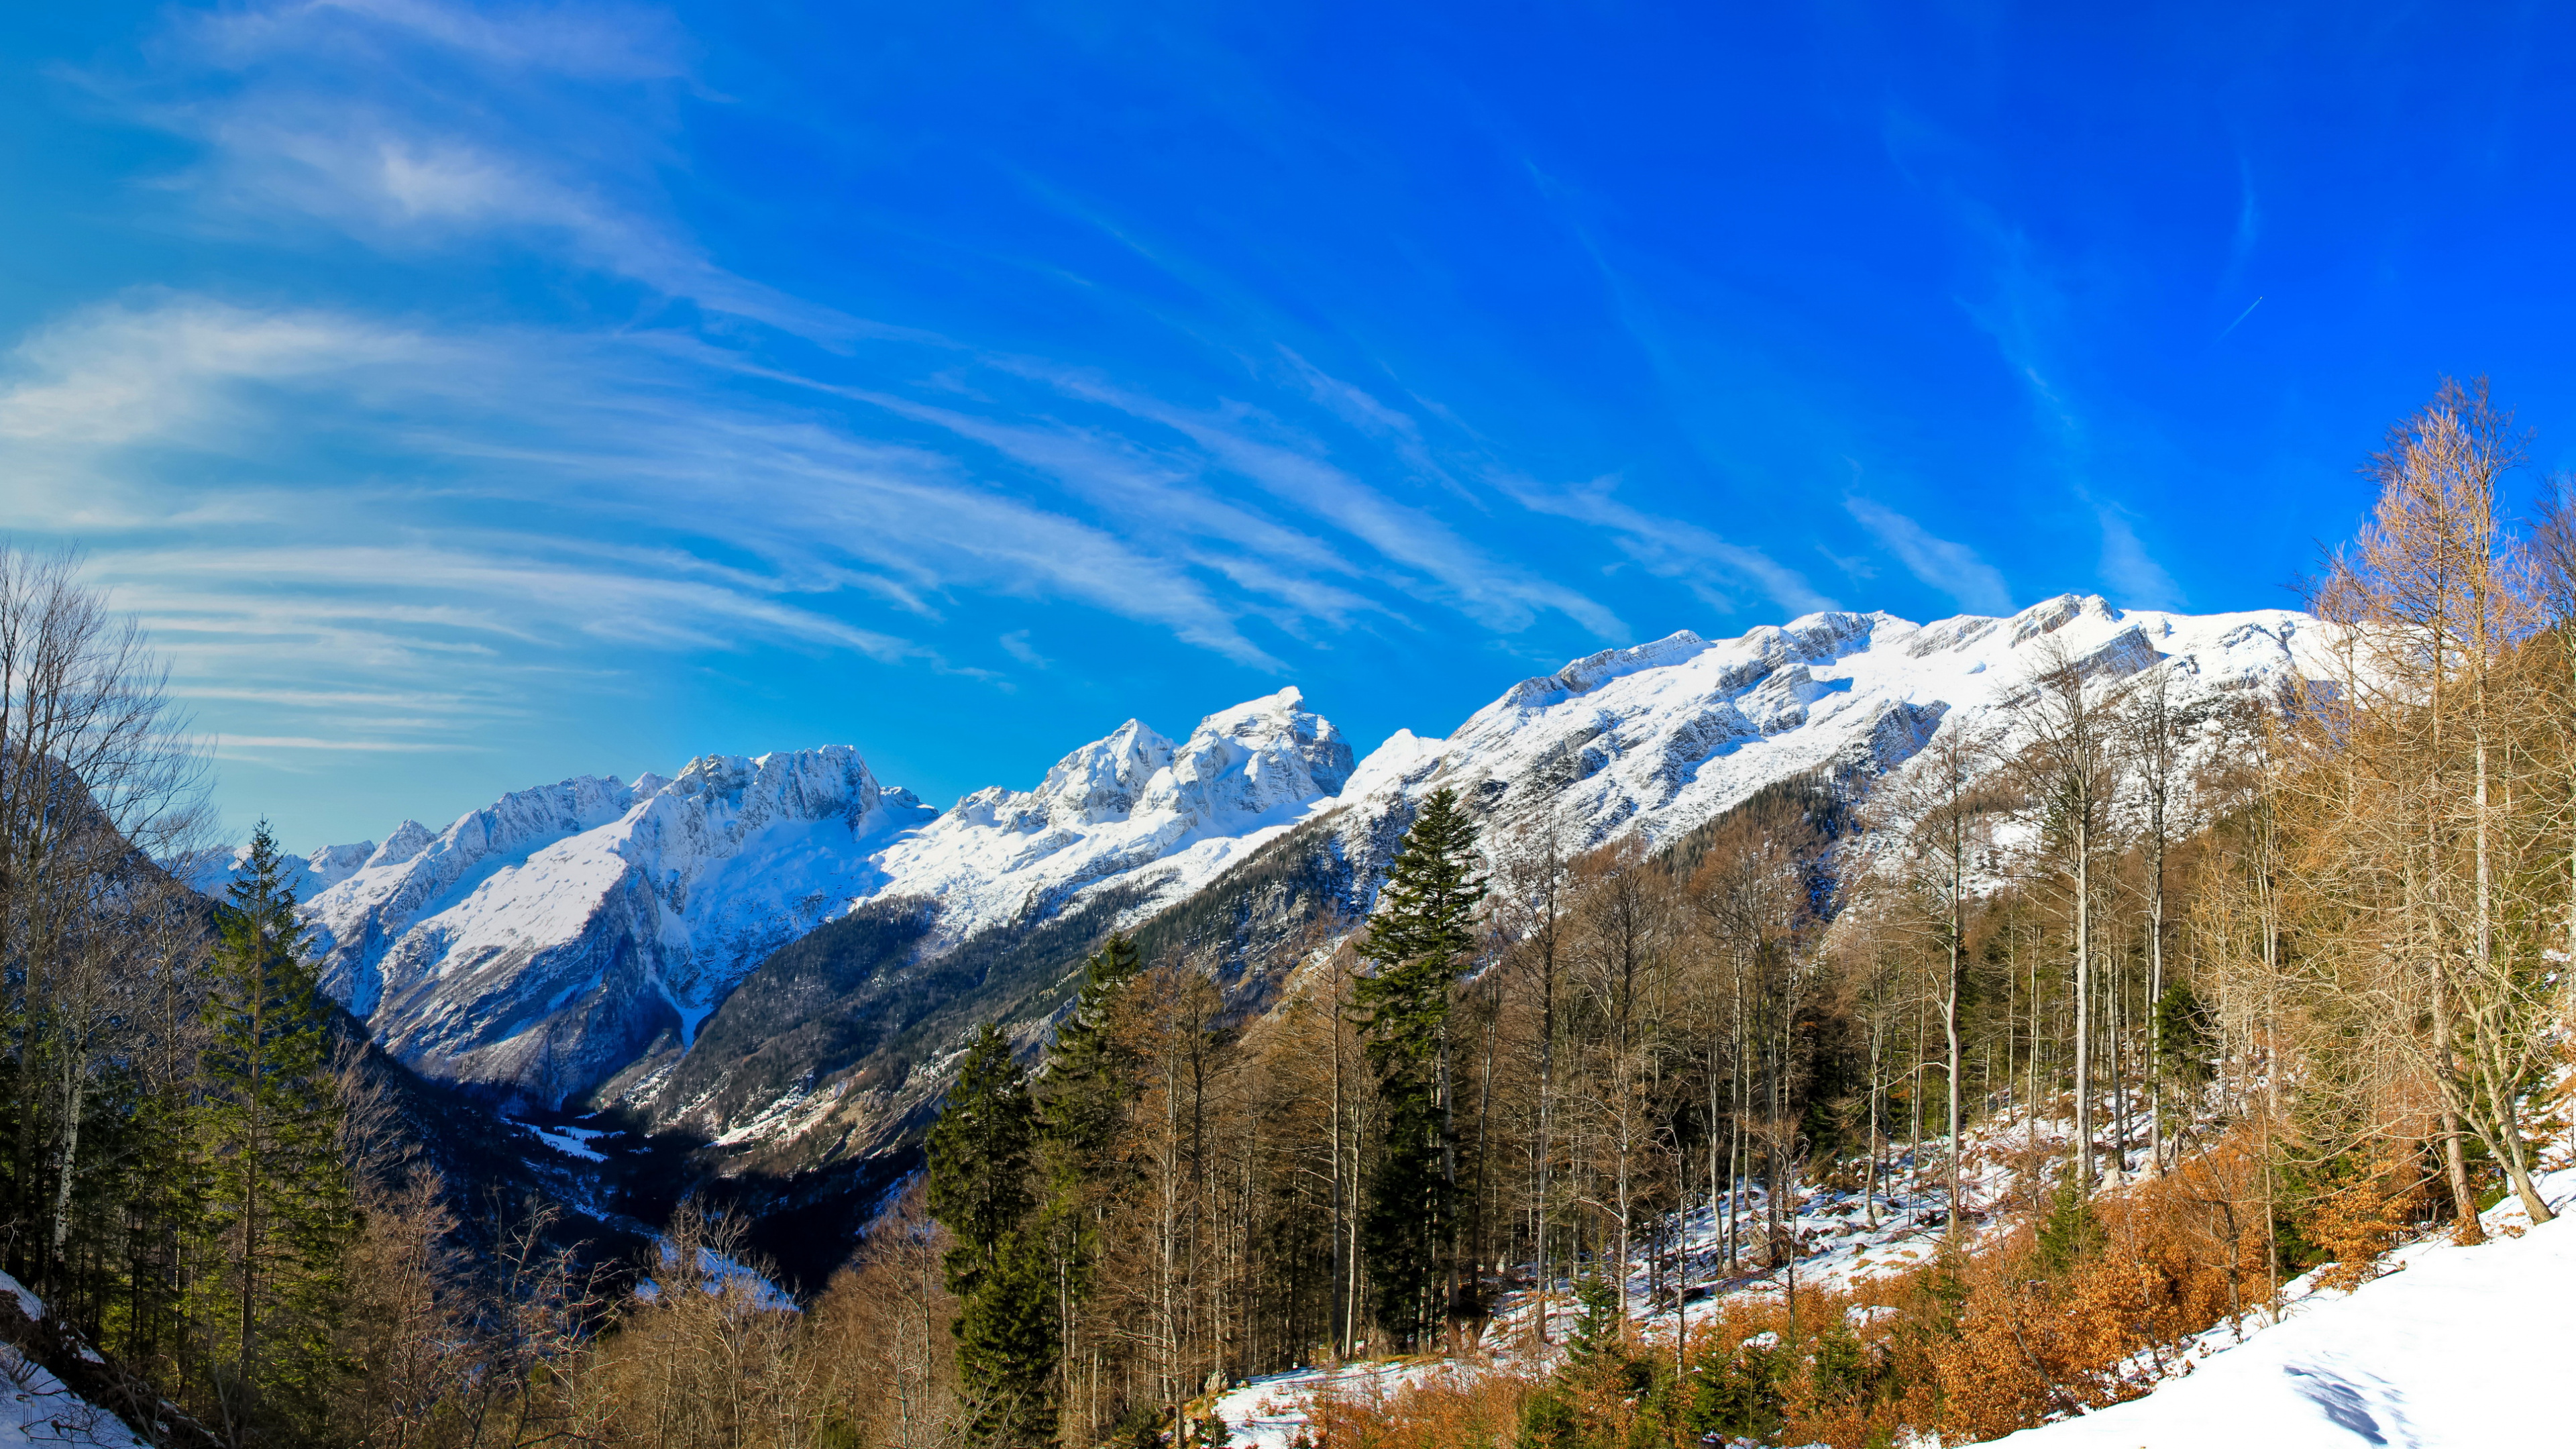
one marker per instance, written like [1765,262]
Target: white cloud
[1494,592]
[411,125]
[2136,580]
[624,432]
[1953,568]
[1711,567]
[224,744]
[1016,644]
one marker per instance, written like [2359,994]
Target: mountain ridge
[568,942]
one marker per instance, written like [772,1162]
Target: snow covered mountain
[549,941]
[1132,808]
[311,875]
[1656,739]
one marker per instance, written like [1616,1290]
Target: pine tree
[1425,927]
[1421,937]
[980,1158]
[1006,1347]
[276,1216]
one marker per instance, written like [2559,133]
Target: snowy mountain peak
[1102,780]
[2050,615]
[1253,759]
[1653,739]
[1121,809]
[307,876]
[1589,672]
[409,839]
[545,939]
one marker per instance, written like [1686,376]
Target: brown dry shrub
[1974,1346]
[1455,1406]
[2363,1216]
[2182,1252]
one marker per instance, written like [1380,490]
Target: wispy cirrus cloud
[601,427]
[1953,568]
[416,127]
[413,126]
[2133,574]
[323,505]
[1718,571]
[1496,593]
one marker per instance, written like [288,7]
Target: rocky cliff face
[540,943]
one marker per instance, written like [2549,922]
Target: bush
[1734,1393]
[2072,1233]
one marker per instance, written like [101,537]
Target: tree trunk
[2083,1002]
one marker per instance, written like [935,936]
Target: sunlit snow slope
[2461,1347]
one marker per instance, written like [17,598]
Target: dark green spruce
[1422,937]
[1089,1088]
[981,1161]
[274,1187]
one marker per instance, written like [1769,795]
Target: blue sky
[474,396]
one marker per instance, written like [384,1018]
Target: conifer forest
[2133,1004]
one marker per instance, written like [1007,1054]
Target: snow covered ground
[36,1408]
[1842,1248]
[2455,1346]
[573,1142]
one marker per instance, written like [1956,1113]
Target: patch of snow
[1269,1412]
[572,1142]
[36,1408]
[717,1271]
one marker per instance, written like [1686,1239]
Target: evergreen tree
[276,1215]
[1424,929]
[1421,937]
[980,1158]
[2184,1037]
[1089,1088]
[1089,1077]
[2071,1233]
[1006,1347]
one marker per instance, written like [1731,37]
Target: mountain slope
[1651,742]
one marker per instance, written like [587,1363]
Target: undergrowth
[2080,1305]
